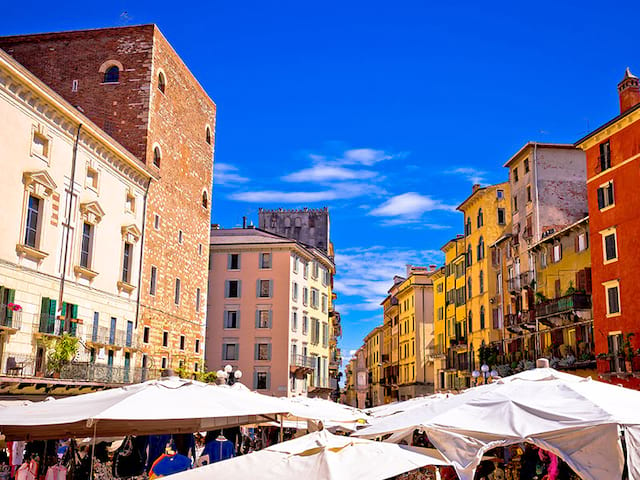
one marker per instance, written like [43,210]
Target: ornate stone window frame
[91,213]
[130,234]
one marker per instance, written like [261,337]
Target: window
[610,245]
[315,270]
[529,193]
[176,296]
[263,319]
[205,200]
[92,178]
[501,216]
[325,277]
[480,253]
[180,237]
[231,319]
[261,381]
[74,86]
[305,270]
[33,221]
[161,82]
[315,294]
[233,261]
[232,289]
[305,296]
[153,285]
[515,174]
[164,363]
[126,262]
[470,320]
[526,165]
[305,324]
[467,228]
[605,195]
[480,219]
[294,291]
[130,202]
[85,247]
[315,331]
[230,351]
[469,255]
[157,156]
[182,342]
[582,242]
[294,321]
[556,253]
[482,315]
[207,134]
[500,194]
[165,339]
[200,249]
[156,221]
[265,260]
[146,332]
[325,334]
[481,282]
[198,294]
[469,289]
[263,351]
[612,290]
[197,346]
[295,264]
[515,203]
[111,75]
[605,156]
[264,288]
[325,303]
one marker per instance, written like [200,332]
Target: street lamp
[228,375]
[485,373]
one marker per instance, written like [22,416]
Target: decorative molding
[91,212]
[85,272]
[30,252]
[131,233]
[39,183]
[126,287]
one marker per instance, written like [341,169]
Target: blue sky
[386,112]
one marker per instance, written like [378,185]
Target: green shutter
[74,311]
[11,296]
[53,304]
[64,309]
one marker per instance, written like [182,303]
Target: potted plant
[628,352]
[60,351]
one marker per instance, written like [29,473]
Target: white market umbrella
[320,456]
[325,411]
[169,405]
[388,409]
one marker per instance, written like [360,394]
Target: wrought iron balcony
[50,325]
[565,304]
[10,319]
[301,362]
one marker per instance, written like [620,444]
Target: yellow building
[455,373]
[563,297]
[390,347]
[486,213]
[373,346]
[439,352]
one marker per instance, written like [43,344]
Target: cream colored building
[268,311]
[72,233]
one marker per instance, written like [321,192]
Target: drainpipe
[66,238]
[144,224]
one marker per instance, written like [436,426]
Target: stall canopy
[320,456]
[331,414]
[169,405]
[576,418]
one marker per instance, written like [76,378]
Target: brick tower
[131,82]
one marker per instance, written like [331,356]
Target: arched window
[207,135]
[161,82]
[205,199]
[480,253]
[157,156]
[480,218]
[470,322]
[469,255]
[469,290]
[111,75]
[468,228]
[482,317]
[481,281]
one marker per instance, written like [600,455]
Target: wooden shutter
[610,193]
[255,380]
[557,288]
[268,381]
[256,351]
[601,198]
[226,289]
[74,311]
[257,318]
[11,296]
[237,318]
[271,319]
[269,351]
[581,280]
[587,280]
[270,288]
[258,288]
[576,243]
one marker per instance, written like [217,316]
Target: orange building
[613,174]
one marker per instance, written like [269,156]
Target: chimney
[475,187]
[408,269]
[215,226]
[244,222]
[629,91]
[432,268]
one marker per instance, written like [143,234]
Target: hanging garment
[157,446]
[130,458]
[216,450]
[17,453]
[56,472]
[27,471]
[102,471]
[169,464]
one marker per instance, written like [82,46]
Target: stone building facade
[307,225]
[131,83]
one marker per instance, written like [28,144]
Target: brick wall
[137,114]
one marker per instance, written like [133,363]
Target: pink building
[268,311]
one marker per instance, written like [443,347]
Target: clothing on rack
[27,471]
[17,453]
[157,446]
[216,450]
[169,464]
[56,472]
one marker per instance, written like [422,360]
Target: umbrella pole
[93,447]
[281,429]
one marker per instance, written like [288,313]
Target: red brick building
[131,82]
[613,175]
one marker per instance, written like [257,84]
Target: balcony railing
[302,361]
[9,318]
[107,337]
[567,303]
[513,284]
[50,325]
[521,319]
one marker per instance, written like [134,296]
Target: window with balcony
[606,196]
[231,319]
[604,159]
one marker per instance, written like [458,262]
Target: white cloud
[226,174]
[363,156]
[471,174]
[340,191]
[326,173]
[368,286]
[409,207]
